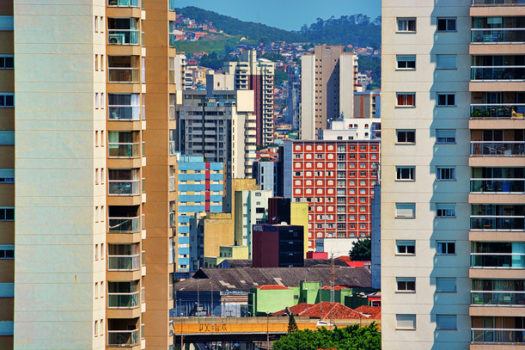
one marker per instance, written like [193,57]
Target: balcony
[172,183]
[497,111]
[497,223]
[500,35]
[123,262]
[498,260]
[123,187]
[123,3]
[124,224]
[173,219]
[497,185]
[123,75]
[172,5]
[123,338]
[497,336]
[498,2]
[123,113]
[500,149]
[124,149]
[510,73]
[172,148]
[504,298]
[123,300]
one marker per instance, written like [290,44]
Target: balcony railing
[503,148]
[500,35]
[123,300]
[497,185]
[124,75]
[173,221]
[497,298]
[123,37]
[498,73]
[123,262]
[123,338]
[497,223]
[173,40]
[498,2]
[124,149]
[498,335]
[123,3]
[123,187]
[498,260]
[124,225]
[125,113]
[497,111]
[172,5]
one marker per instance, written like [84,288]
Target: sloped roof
[245,278]
[274,286]
[296,309]
[373,311]
[331,310]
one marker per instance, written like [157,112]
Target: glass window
[405,321]
[446,173]
[406,210]
[406,136]
[445,284]
[406,24]
[406,247]
[446,322]
[407,173]
[406,99]
[446,24]
[446,62]
[7,100]
[446,210]
[446,247]
[405,284]
[446,100]
[407,62]
[7,62]
[445,136]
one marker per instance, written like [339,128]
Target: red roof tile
[330,310]
[335,287]
[373,311]
[271,286]
[296,309]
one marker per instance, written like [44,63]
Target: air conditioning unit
[117,38]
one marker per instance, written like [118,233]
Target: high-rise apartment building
[256,74]
[81,238]
[337,179]
[327,88]
[200,190]
[453,163]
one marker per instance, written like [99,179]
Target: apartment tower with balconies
[89,73]
[453,174]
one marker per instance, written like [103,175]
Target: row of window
[408,99]
[408,173]
[443,136]
[443,322]
[443,61]
[409,24]
[408,210]
[409,247]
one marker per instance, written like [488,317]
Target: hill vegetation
[357,30]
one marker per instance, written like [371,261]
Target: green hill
[358,30]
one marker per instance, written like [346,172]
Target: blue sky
[286,14]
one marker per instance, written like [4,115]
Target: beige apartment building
[453,163]
[92,241]
[328,82]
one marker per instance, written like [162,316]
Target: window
[406,25]
[446,100]
[7,100]
[446,248]
[406,210]
[446,322]
[406,136]
[405,284]
[446,24]
[7,176]
[446,173]
[446,62]
[406,99]
[405,321]
[405,173]
[7,62]
[406,247]
[7,251]
[445,136]
[445,285]
[7,214]
[406,62]
[95,329]
[446,210]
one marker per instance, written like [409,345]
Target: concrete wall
[56,159]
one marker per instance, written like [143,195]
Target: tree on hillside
[292,326]
[349,338]
[361,250]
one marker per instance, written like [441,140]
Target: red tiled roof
[330,310]
[373,311]
[335,287]
[296,309]
[271,286]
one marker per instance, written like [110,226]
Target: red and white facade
[337,178]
